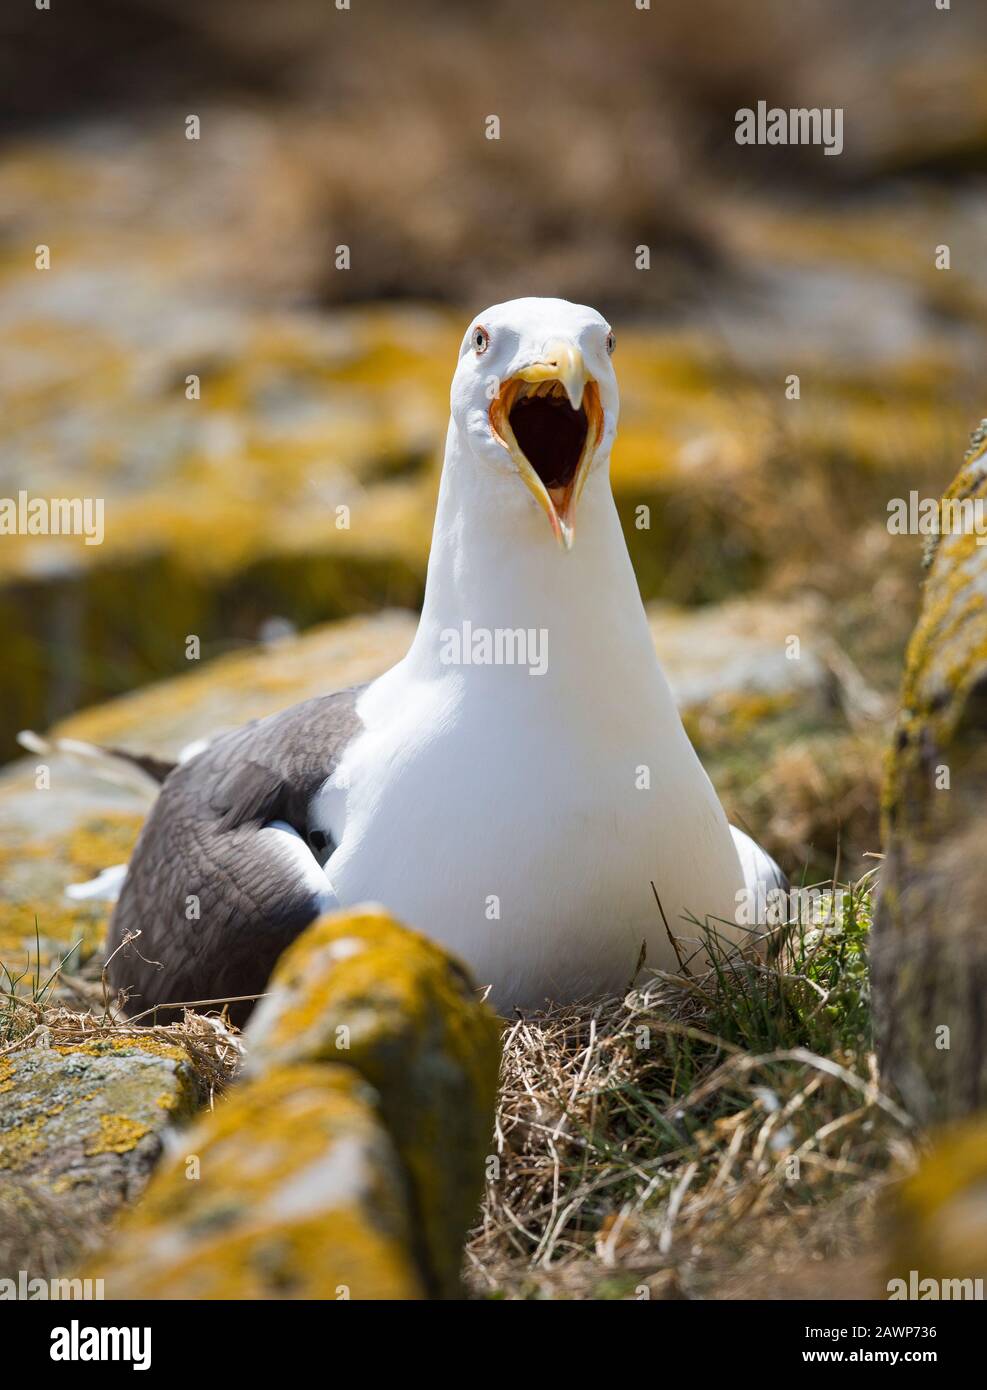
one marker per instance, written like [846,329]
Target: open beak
[549,418]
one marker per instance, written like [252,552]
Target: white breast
[520,818]
[528,846]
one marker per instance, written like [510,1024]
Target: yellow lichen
[118,1134]
[939,1215]
[71,933]
[21,1142]
[946,657]
[300,1196]
[102,841]
[107,1046]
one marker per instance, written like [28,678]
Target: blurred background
[323,387]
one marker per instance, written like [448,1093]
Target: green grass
[25,993]
[816,994]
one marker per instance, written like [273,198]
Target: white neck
[495,564]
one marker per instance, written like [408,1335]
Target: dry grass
[667,1143]
[58,1009]
[214,1050]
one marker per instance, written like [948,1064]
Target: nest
[659,1143]
[214,1048]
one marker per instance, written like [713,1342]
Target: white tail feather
[105,887]
[110,767]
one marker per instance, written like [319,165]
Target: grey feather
[200,852]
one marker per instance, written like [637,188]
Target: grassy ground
[713,1133]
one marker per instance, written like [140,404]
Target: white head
[535,399]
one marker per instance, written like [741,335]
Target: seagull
[519,788]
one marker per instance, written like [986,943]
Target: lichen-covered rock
[939,1218]
[291,1188]
[358,989]
[929,957]
[348,1162]
[732,662]
[39,1232]
[80,1130]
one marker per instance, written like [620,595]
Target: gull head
[535,397]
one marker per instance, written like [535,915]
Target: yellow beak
[563,363]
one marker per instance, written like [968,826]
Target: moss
[930,949]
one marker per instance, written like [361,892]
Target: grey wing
[218,885]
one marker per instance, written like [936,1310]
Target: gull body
[521,816]
[517,810]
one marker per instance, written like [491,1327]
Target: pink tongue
[557,495]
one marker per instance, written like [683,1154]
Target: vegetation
[711,1122]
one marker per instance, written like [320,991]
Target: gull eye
[481,340]
[611,342]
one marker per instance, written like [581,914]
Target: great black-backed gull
[519,787]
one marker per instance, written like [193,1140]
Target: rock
[47,841]
[223,395]
[40,1234]
[929,958]
[356,988]
[349,1160]
[789,730]
[938,1219]
[736,658]
[80,1130]
[298,1193]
